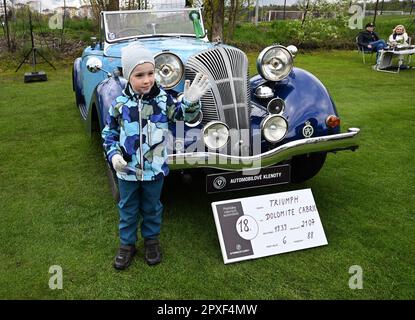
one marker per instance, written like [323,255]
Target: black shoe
[124,257]
[152,251]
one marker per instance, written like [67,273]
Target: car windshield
[129,24]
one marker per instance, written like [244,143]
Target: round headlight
[274,128]
[293,50]
[264,92]
[215,134]
[274,63]
[195,122]
[276,106]
[169,69]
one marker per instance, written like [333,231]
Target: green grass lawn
[56,205]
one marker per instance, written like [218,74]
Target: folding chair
[361,50]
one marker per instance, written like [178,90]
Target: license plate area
[230,181]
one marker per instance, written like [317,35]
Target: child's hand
[118,163]
[194,92]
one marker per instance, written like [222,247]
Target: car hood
[183,47]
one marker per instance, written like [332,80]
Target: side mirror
[94,65]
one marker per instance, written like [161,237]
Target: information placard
[260,226]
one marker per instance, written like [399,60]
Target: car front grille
[229,99]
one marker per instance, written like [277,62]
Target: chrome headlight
[293,50]
[215,134]
[195,122]
[169,69]
[276,106]
[264,92]
[274,128]
[274,63]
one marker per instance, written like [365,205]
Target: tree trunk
[6,20]
[305,12]
[217,21]
[113,5]
[232,18]
[376,11]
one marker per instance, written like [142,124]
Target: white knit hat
[133,55]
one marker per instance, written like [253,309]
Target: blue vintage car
[275,127]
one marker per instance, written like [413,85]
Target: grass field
[56,207]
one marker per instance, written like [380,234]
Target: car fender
[102,97]
[76,75]
[306,101]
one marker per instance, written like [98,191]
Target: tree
[218,18]
[213,16]
[6,26]
[233,11]
[103,5]
[113,5]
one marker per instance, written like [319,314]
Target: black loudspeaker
[35,76]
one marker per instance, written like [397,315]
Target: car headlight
[276,106]
[169,69]
[274,63]
[274,128]
[215,134]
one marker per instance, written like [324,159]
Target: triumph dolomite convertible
[273,128]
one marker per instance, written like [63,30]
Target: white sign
[260,226]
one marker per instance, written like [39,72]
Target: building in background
[85,11]
[69,11]
[47,11]
[35,5]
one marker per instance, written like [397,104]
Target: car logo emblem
[308,130]
[219,183]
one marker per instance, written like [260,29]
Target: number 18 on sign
[260,226]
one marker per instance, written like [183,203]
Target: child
[135,146]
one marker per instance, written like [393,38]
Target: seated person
[370,41]
[398,36]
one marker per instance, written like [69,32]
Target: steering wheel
[130,32]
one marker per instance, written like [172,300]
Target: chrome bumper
[335,142]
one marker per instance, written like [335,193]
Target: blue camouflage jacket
[135,128]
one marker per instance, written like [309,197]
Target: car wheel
[306,166]
[113,182]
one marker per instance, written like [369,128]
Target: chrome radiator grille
[229,98]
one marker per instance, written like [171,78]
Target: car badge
[308,130]
[219,183]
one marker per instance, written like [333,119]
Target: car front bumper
[329,143]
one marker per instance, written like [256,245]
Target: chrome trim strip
[341,141]
[231,82]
